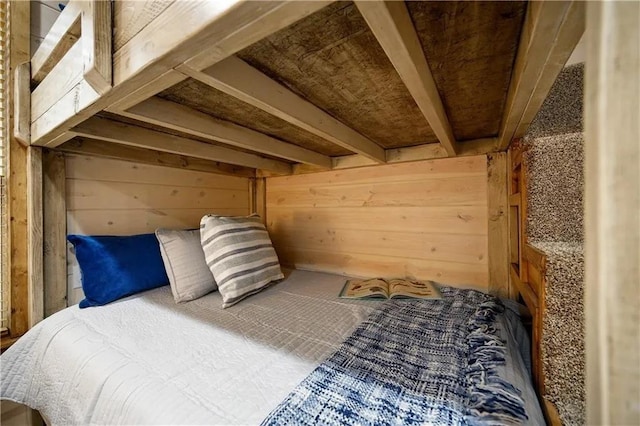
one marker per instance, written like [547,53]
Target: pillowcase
[184,263]
[116,267]
[239,253]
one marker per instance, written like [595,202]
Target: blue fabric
[116,267]
[413,363]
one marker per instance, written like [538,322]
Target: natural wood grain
[232,26]
[261,198]
[88,167]
[64,33]
[18,185]
[392,26]
[550,33]
[22,104]
[96,44]
[148,156]
[217,104]
[131,16]
[498,225]
[239,79]
[470,46]
[184,119]
[333,60]
[612,203]
[425,219]
[35,230]
[54,232]
[112,131]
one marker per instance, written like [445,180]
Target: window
[4,145]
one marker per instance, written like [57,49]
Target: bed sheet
[146,360]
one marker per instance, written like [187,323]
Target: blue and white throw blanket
[412,362]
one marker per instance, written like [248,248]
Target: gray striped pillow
[239,253]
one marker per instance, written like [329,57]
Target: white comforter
[146,360]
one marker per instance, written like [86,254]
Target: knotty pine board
[427,220]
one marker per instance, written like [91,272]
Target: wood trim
[391,23]
[429,151]
[34,232]
[498,236]
[225,27]
[126,134]
[178,117]
[235,77]
[612,203]
[54,232]
[19,18]
[84,146]
[96,44]
[22,103]
[551,31]
[64,33]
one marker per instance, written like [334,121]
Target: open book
[394,288]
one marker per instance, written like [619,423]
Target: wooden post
[612,208]
[54,232]
[498,204]
[34,227]
[261,198]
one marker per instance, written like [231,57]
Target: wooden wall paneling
[612,203]
[498,224]
[35,229]
[54,232]
[84,146]
[114,197]
[424,219]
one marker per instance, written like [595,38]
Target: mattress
[146,360]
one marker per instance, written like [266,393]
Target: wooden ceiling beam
[550,33]
[126,134]
[96,148]
[235,77]
[391,24]
[215,31]
[181,118]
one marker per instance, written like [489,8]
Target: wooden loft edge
[225,27]
[126,134]
[178,117]
[64,33]
[391,24]
[551,31]
[96,148]
[235,77]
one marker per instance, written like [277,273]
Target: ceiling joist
[181,118]
[126,134]
[235,77]
[551,31]
[391,24]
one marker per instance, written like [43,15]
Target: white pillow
[239,253]
[184,262]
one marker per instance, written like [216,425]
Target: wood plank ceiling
[364,78]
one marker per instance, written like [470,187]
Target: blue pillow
[116,267]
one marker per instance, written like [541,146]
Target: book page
[357,289]
[416,289]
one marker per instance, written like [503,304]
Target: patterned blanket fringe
[493,401]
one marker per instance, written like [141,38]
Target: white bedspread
[146,360]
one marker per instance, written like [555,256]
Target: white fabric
[147,360]
[184,263]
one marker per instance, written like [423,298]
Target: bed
[147,360]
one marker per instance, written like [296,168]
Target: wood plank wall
[424,219]
[113,197]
